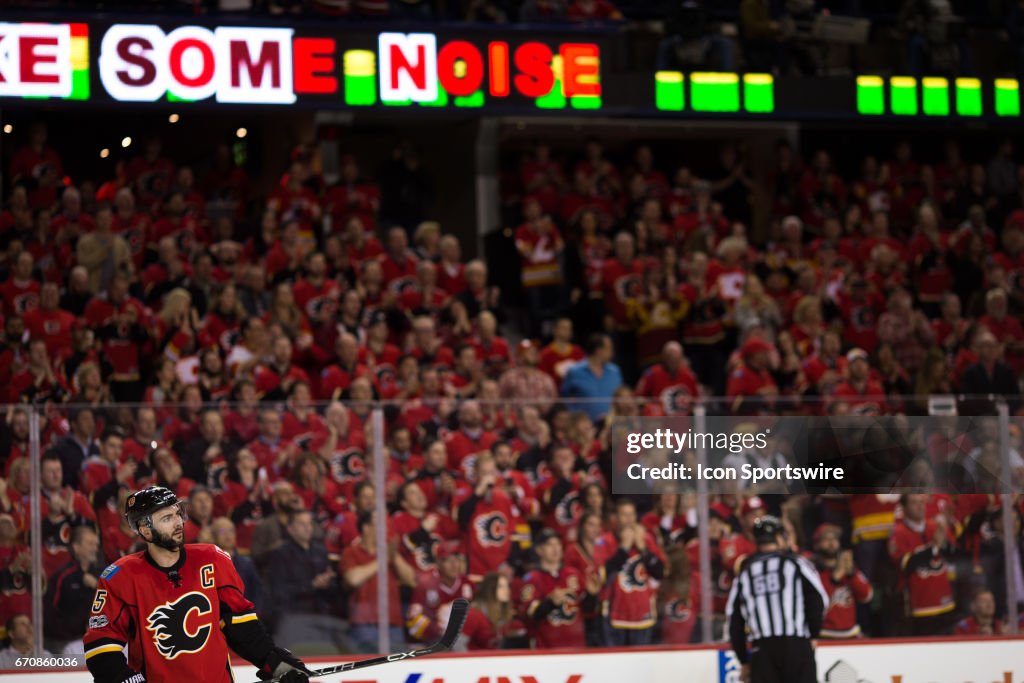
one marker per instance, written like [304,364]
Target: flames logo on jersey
[423,554]
[492,530]
[321,307]
[348,465]
[23,303]
[468,465]
[633,575]
[386,375]
[676,400]
[229,338]
[171,635]
[402,284]
[568,509]
[565,613]
[678,610]
[841,597]
[628,287]
[863,317]
[541,472]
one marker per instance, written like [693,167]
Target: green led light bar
[715,92]
[474,100]
[936,96]
[554,99]
[1007,97]
[79,62]
[759,93]
[903,95]
[360,68]
[585,102]
[870,95]
[968,97]
[668,90]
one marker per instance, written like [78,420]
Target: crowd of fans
[162,342]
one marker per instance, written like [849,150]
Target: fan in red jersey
[919,547]
[634,571]
[19,293]
[845,584]
[554,596]
[982,621]
[484,513]
[177,608]
[561,353]
[435,589]
[671,381]
[470,440]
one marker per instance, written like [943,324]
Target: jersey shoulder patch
[110,571]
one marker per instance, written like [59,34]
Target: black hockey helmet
[141,505]
[766,529]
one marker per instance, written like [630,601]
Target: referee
[779,600]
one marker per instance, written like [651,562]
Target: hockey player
[177,608]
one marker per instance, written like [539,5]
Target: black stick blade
[456,620]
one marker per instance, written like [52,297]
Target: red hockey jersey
[486,528]
[554,625]
[429,595]
[927,576]
[633,584]
[173,633]
[971,627]
[843,596]
[679,613]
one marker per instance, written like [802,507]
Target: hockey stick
[457,619]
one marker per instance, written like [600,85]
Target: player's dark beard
[828,554]
[165,541]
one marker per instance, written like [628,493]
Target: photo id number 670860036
[46,662]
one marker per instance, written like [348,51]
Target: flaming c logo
[170,633]
[678,610]
[492,529]
[633,575]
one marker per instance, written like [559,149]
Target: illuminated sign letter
[35,60]
[460,68]
[314,65]
[497,60]
[535,77]
[408,67]
[582,72]
[191,63]
[255,65]
[130,59]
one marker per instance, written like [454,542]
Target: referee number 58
[766,584]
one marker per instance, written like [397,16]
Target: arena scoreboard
[504,70]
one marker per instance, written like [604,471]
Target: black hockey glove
[135,677]
[281,663]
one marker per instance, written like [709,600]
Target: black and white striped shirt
[777,594]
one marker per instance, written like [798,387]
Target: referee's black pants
[782,660]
